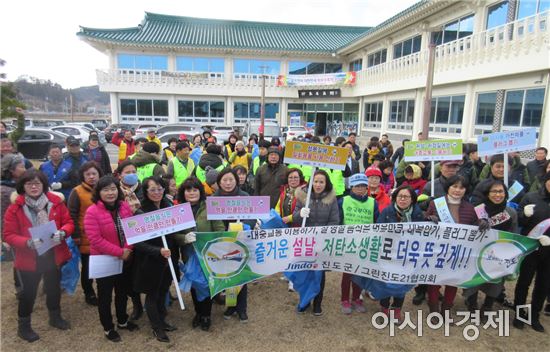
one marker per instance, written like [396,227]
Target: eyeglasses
[33,184]
[402,196]
[155,190]
[500,191]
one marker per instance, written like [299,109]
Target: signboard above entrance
[320,93]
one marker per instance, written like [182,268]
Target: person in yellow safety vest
[305,169]
[229,147]
[355,208]
[240,156]
[138,145]
[169,152]
[262,157]
[337,177]
[212,158]
[152,137]
[147,161]
[181,166]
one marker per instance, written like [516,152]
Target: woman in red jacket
[33,207]
[376,190]
[104,230]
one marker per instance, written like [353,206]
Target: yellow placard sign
[314,154]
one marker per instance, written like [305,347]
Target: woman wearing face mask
[192,192]
[152,275]
[129,184]
[79,201]
[460,211]
[33,207]
[228,182]
[287,198]
[104,229]
[96,152]
[322,211]
[500,217]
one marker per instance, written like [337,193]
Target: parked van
[271,129]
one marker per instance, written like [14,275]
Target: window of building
[377,58]
[528,8]
[200,64]
[401,114]
[486,108]
[256,67]
[446,114]
[144,110]
[523,108]
[407,47]
[373,115]
[356,65]
[243,111]
[142,62]
[312,68]
[201,111]
[454,30]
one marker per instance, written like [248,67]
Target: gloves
[304,212]
[56,186]
[528,210]
[433,218]
[484,225]
[58,236]
[34,243]
[190,237]
[544,240]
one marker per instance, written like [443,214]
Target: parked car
[165,137]
[222,133]
[294,132]
[117,127]
[142,129]
[179,127]
[78,132]
[35,142]
[100,124]
[89,128]
[271,129]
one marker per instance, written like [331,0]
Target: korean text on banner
[434,150]
[318,155]
[401,253]
[233,208]
[507,142]
[158,223]
[328,79]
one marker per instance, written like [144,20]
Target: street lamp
[262,104]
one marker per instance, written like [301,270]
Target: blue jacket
[389,215]
[59,174]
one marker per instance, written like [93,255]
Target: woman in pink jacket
[104,230]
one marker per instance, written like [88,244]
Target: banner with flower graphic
[403,253]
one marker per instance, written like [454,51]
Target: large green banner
[403,253]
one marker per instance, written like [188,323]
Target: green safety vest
[201,174]
[337,180]
[181,173]
[357,212]
[145,171]
[256,165]
[306,170]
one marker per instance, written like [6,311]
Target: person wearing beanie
[534,209]
[262,156]
[355,208]
[270,176]
[212,158]
[240,156]
[375,189]
[147,161]
[229,147]
[211,177]
[413,175]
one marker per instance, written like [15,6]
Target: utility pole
[428,97]
[262,105]
[71,103]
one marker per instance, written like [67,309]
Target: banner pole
[309,188]
[506,167]
[433,178]
[174,278]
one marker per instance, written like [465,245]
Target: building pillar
[172,109]
[283,112]
[469,115]
[499,111]
[417,120]
[172,62]
[229,116]
[386,109]
[115,111]
[361,115]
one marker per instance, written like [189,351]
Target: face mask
[130,179]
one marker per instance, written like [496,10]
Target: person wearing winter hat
[147,161]
[375,189]
[240,156]
[413,175]
[212,158]
[270,177]
[262,157]
[448,168]
[355,208]
[533,210]
[210,179]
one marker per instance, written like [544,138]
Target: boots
[57,321]
[25,331]
[471,303]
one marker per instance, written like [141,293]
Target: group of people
[87,200]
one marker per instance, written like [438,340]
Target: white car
[222,133]
[78,132]
[294,132]
[142,129]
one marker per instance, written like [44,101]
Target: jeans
[30,281]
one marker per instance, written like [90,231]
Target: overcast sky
[38,38]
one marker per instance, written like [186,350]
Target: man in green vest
[181,166]
[147,161]
[262,157]
[213,159]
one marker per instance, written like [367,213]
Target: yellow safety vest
[181,173]
[145,171]
[357,212]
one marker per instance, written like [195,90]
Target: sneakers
[358,306]
[346,307]
[205,323]
[112,335]
[243,317]
[317,311]
[229,312]
[128,326]
[290,287]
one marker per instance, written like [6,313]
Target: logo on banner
[225,257]
[498,257]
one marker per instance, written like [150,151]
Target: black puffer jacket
[541,212]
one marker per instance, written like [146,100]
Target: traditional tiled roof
[188,32]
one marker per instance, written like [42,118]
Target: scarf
[403,215]
[241,152]
[130,196]
[372,153]
[453,200]
[39,207]
[492,208]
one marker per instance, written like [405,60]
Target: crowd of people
[87,200]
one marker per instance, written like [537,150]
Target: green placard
[433,150]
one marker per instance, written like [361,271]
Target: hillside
[48,96]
